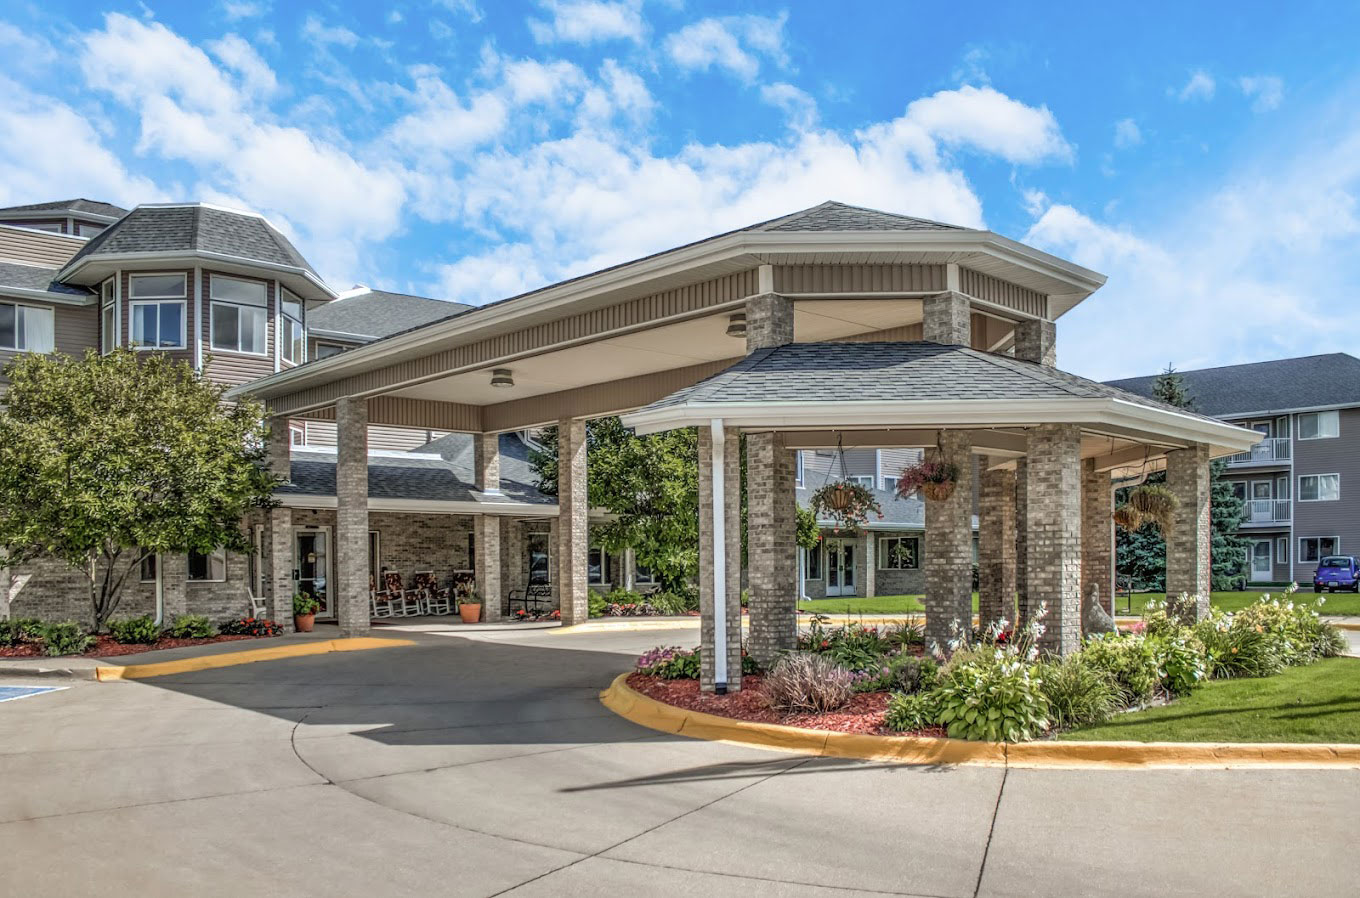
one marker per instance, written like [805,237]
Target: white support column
[351,516]
[720,558]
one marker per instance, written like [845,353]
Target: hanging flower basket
[933,479]
[1156,505]
[845,502]
[1126,517]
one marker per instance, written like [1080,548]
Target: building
[834,326]
[1301,483]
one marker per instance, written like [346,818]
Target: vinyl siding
[398,439]
[36,247]
[1342,517]
[76,328]
[228,367]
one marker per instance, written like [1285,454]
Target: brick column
[572,532]
[771,530]
[174,568]
[1187,545]
[486,462]
[1022,609]
[512,554]
[996,545]
[486,542]
[769,322]
[946,318]
[731,549]
[866,568]
[554,575]
[280,449]
[1097,534]
[1037,341]
[1053,522]
[949,543]
[281,583]
[351,517]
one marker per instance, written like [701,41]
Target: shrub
[1235,649]
[670,663]
[673,603]
[135,630]
[1330,642]
[19,629]
[64,638]
[801,682]
[911,712]
[1077,692]
[249,626]
[193,626]
[854,647]
[990,695]
[597,603]
[1181,661]
[903,673]
[1129,661]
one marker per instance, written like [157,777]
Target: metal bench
[533,598]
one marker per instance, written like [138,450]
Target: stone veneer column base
[572,533]
[351,517]
[771,533]
[732,557]
[1053,533]
[1188,568]
[949,544]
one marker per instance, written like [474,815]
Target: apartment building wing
[77,218]
[1301,483]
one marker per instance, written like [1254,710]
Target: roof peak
[834,215]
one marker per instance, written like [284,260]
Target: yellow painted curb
[632,705]
[250,656]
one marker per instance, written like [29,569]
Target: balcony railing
[1268,450]
[1267,511]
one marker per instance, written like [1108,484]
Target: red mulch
[864,714]
[105,647]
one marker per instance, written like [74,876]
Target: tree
[107,460]
[1141,555]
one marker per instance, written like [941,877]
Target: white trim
[1282,541]
[27,230]
[882,555]
[62,299]
[1303,409]
[719,537]
[184,279]
[199,305]
[196,256]
[278,318]
[429,506]
[1320,436]
[1302,477]
[183,324]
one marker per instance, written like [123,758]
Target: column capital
[947,319]
[1036,340]
[769,322]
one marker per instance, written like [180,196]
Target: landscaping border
[645,711]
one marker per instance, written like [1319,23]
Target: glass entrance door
[1260,560]
[840,567]
[311,566]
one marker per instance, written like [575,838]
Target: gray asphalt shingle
[378,313]
[75,207]
[1307,382]
[33,277]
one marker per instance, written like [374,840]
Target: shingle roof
[378,313]
[819,373]
[70,207]
[1263,387]
[833,216]
[909,513]
[189,228]
[34,277]
[416,476]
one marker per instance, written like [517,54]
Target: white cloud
[588,21]
[235,10]
[394,17]
[237,54]
[323,35]
[1266,91]
[1201,86]
[797,104]
[1127,134]
[986,119]
[441,122]
[733,43]
[505,271]
[468,8]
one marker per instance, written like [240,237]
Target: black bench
[534,598]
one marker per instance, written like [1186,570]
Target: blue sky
[1204,156]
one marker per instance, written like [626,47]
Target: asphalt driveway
[485,765]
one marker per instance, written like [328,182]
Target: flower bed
[107,647]
[30,637]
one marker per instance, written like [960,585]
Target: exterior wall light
[500,377]
[736,325]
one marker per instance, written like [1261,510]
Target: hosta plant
[990,696]
[135,630]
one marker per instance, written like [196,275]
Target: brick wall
[1053,527]
[996,545]
[949,548]
[771,524]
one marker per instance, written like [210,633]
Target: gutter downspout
[160,592]
[719,536]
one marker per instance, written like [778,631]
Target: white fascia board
[194,257]
[949,413]
[340,335]
[426,506]
[61,299]
[732,246]
[1301,410]
[19,227]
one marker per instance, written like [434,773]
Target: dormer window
[239,318]
[156,309]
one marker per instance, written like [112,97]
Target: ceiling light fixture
[736,325]
[500,377]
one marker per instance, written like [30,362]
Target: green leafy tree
[106,460]
[1141,555]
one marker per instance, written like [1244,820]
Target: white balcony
[1268,451]
[1267,511]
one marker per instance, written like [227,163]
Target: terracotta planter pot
[470,613]
[938,492]
[303,622]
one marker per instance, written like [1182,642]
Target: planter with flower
[470,606]
[933,479]
[305,607]
[847,503]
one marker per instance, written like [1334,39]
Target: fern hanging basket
[933,479]
[1151,504]
[1126,518]
[846,503]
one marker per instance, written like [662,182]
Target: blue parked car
[1337,572]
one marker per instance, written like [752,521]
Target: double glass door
[840,567]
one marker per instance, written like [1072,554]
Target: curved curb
[632,705]
[250,656]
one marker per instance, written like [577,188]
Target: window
[26,328]
[889,483]
[157,325]
[643,575]
[812,563]
[537,546]
[798,468]
[898,553]
[50,227]
[326,350]
[255,562]
[156,286]
[1282,550]
[1319,487]
[238,315]
[292,339]
[862,480]
[210,568]
[597,566]
[1281,488]
[1311,548]
[108,318]
[1319,425]
[147,569]
[1282,427]
[1260,489]
[297,436]
[374,555]
[88,230]
[1239,488]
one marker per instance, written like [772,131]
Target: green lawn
[1338,603]
[1316,703]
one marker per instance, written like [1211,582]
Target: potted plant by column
[305,606]
[470,607]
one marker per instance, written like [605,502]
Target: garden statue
[1094,618]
